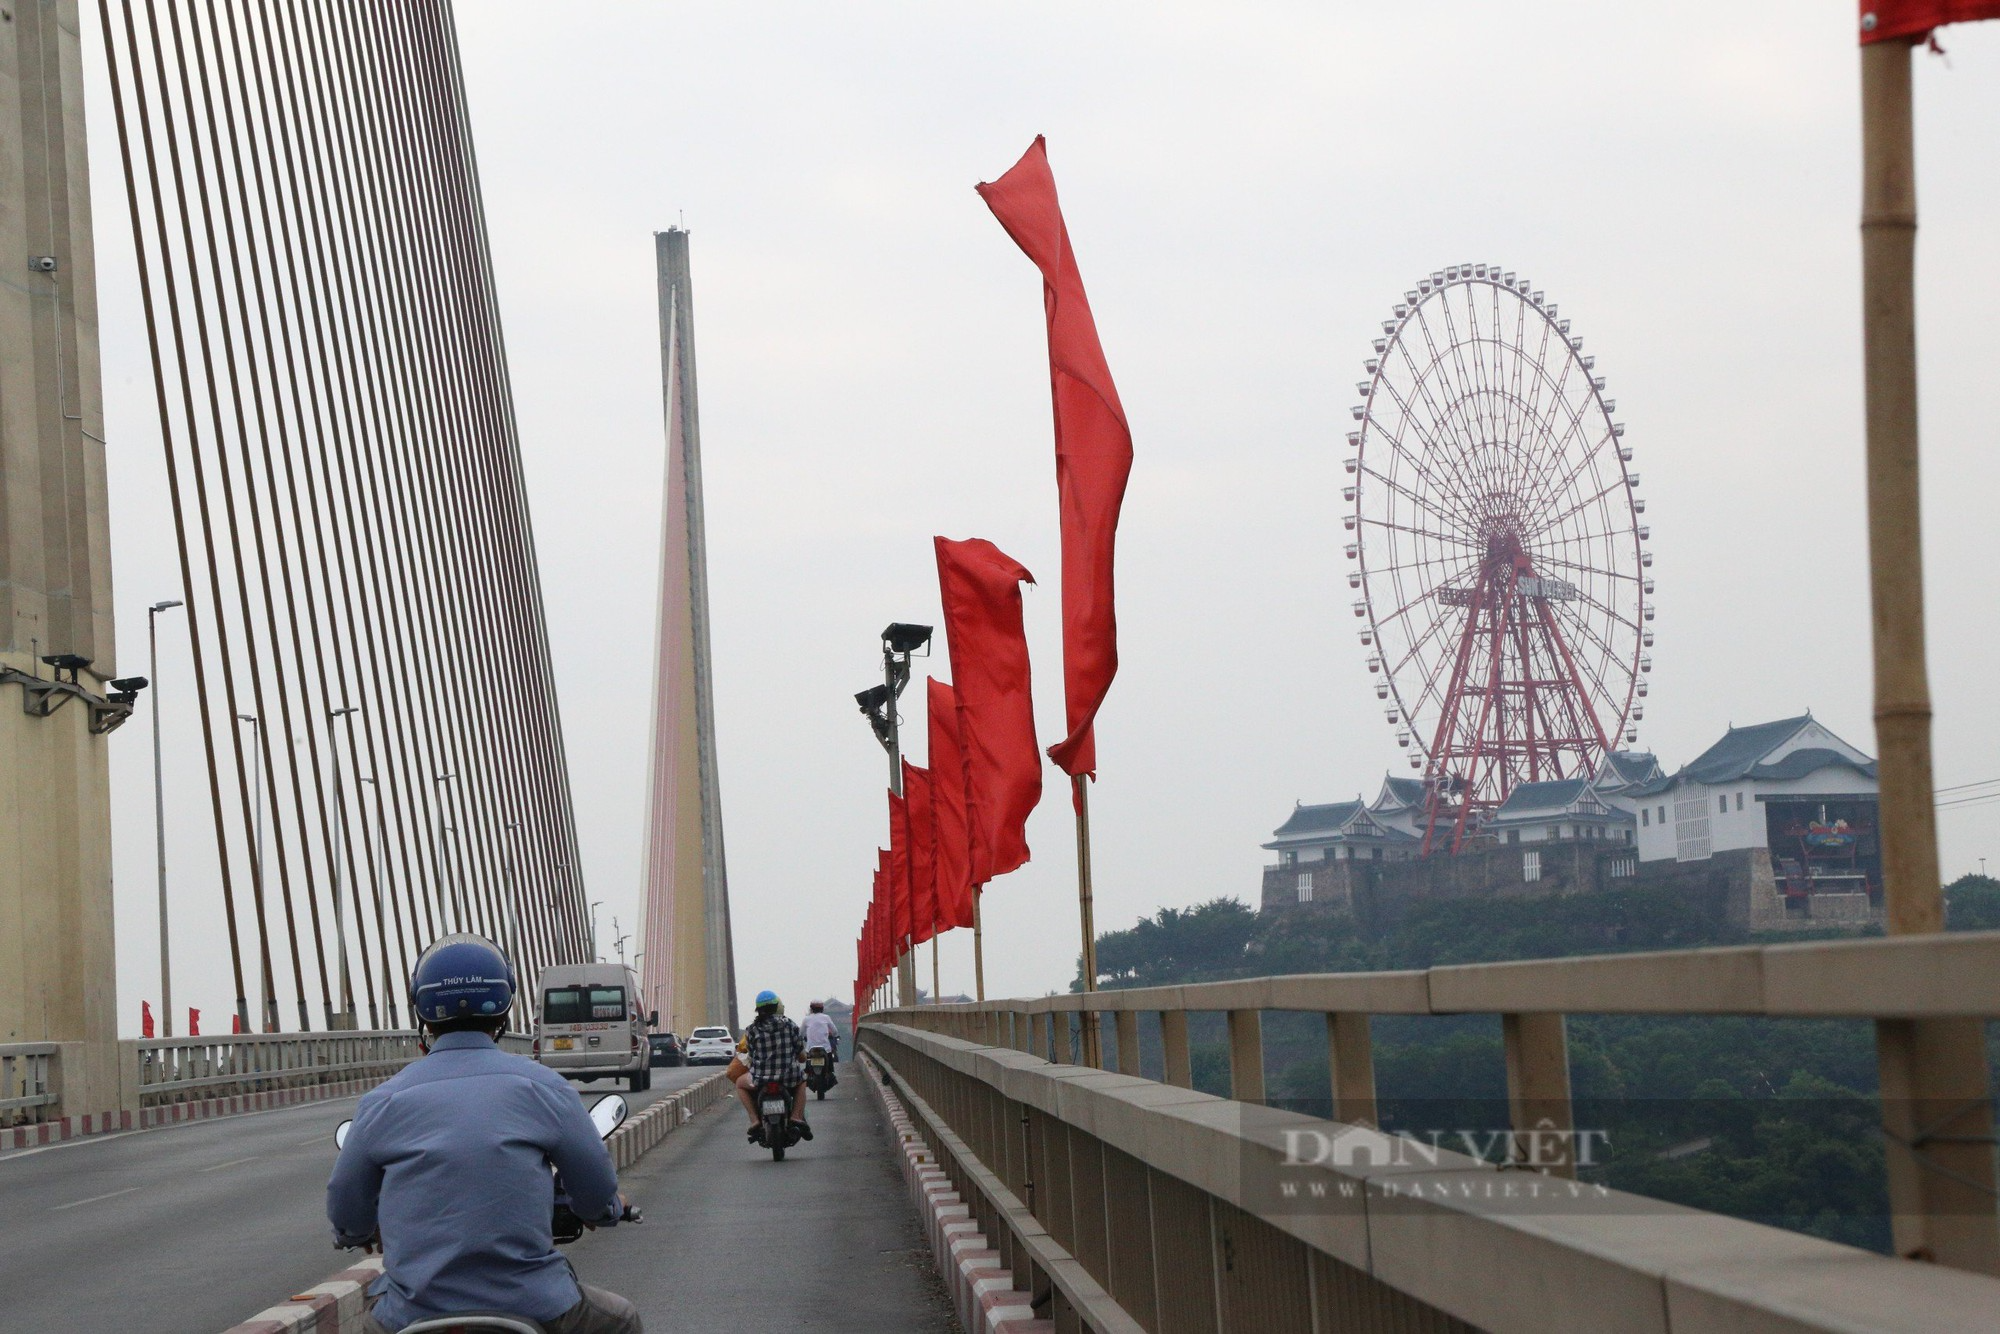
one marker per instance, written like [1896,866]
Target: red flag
[899,870]
[895,896]
[1886,20]
[145,1019]
[951,861]
[194,1022]
[236,1024]
[1093,448]
[866,949]
[918,787]
[981,590]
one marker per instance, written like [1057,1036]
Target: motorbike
[606,1114]
[774,1106]
[819,1072]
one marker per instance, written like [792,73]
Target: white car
[710,1046]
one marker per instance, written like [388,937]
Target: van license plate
[773,1105]
[562,1044]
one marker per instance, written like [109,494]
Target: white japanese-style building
[1339,831]
[1791,788]
[1558,809]
[1778,819]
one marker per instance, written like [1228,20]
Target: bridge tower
[57,979]
[690,969]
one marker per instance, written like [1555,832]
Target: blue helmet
[461,977]
[766,998]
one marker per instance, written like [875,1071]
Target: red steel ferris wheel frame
[1495,530]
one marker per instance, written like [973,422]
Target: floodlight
[901,638]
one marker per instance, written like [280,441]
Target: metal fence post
[1128,1041]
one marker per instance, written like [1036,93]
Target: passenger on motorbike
[820,1030]
[448,1163]
[773,1049]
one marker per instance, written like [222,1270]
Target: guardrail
[1002,1093]
[28,1089]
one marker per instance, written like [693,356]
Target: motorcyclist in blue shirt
[448,1164]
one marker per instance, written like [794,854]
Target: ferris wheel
[1497,545]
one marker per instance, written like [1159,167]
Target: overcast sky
[1249,188]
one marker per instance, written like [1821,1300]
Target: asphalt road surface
[193,1227]
[826,1240]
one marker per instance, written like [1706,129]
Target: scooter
[774,1105]
[606,1114]
[819,1072]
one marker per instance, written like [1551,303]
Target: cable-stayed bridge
[358,570]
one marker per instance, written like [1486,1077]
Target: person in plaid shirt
[773,1048]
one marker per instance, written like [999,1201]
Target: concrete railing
[186,1069]
[28,1085]
[205,1075]
[1142,1201]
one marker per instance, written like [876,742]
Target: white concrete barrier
[982,1289]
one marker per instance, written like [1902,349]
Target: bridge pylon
[689,974]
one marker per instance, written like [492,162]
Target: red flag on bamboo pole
[899,872]
[876,908]
[1886,20]
[1093,449]
[950,857]
[980,586]
[917,811]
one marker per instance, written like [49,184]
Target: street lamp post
[381,874]
[160,817]
[457,877]
[900,642]
[257,859]
[339,913]
[594,905]
[513,915]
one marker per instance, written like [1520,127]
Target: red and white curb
[148,1118]
[981,1289]
[333,1307]
[337,1305]
[642,1133]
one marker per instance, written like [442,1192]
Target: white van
[588,1024]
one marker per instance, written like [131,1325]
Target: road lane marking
[94,1199]
[233,1162]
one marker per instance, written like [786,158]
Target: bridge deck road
[192,1227]
[826,1240]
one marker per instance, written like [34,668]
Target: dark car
[666,1049]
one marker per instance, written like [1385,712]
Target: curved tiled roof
[1543,796]
[1319,819]
[1741,748]
[1810,760]
[1409,791]
[1632,766]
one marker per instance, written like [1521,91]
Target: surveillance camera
[42,263]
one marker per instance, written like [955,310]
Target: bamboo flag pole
[1937,1110]
[936,994]
[1092,1028]
[978,946]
